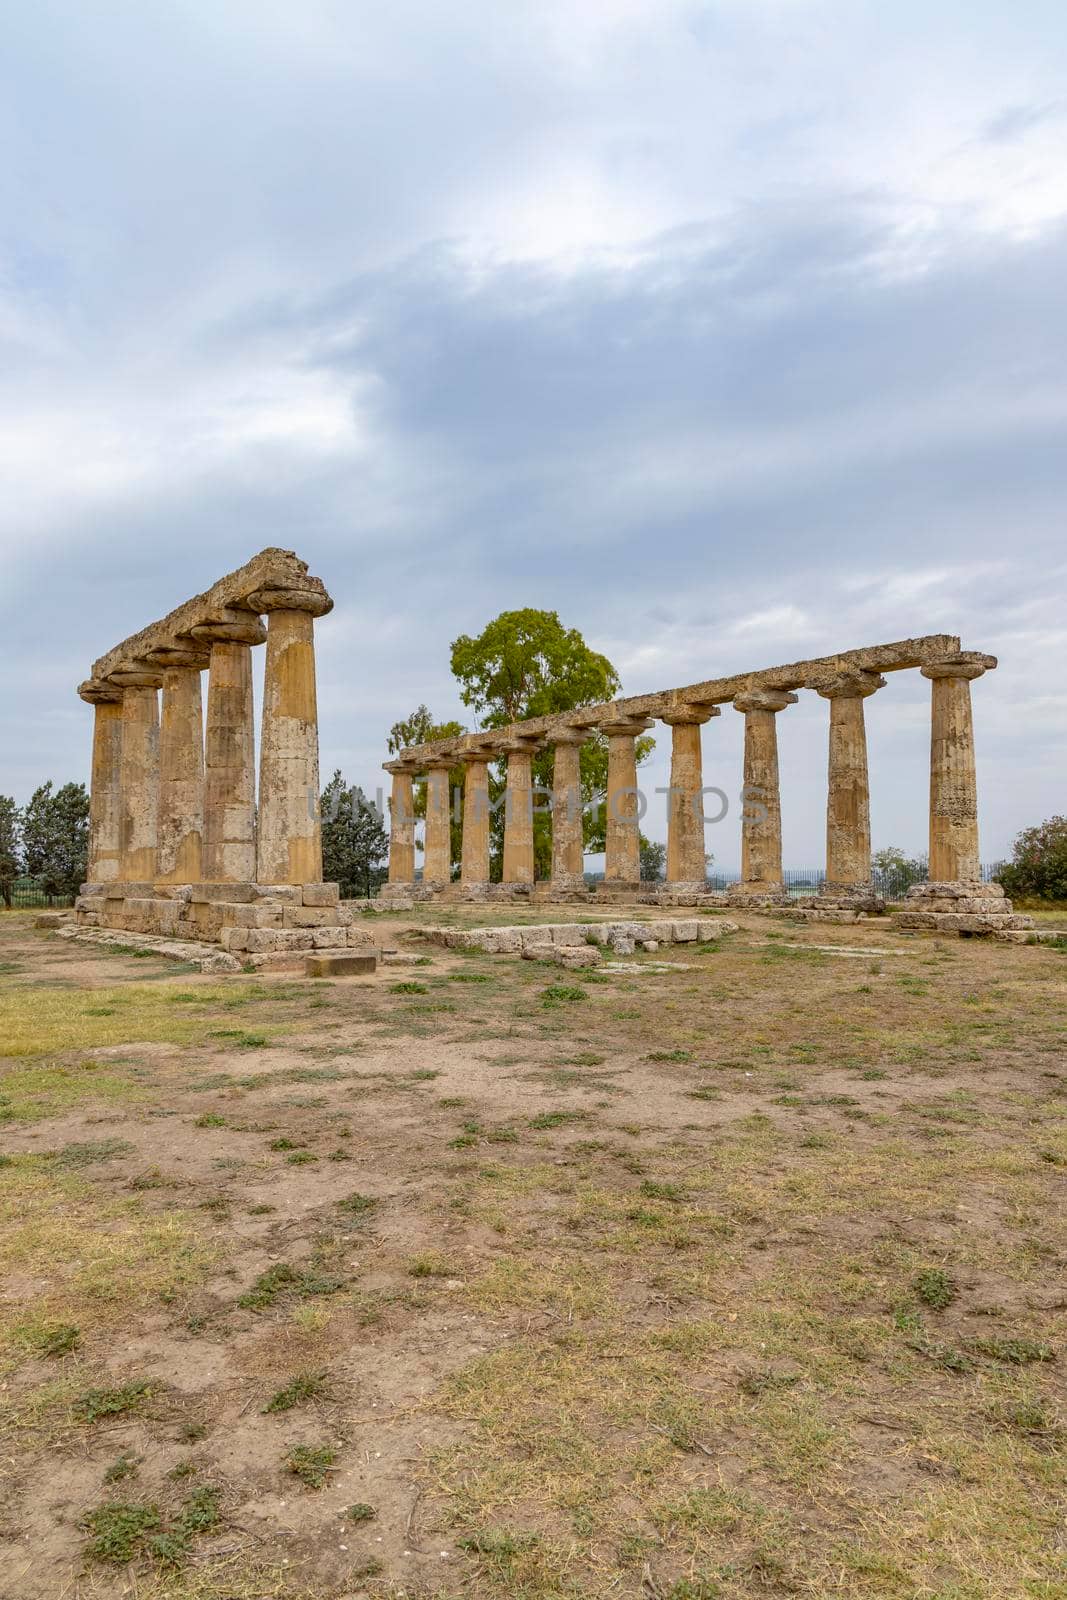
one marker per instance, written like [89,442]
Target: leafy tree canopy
[1038,866]
[354,842]
[55,837]
[10,853]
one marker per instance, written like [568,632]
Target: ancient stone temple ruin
[954,900]
[178,844]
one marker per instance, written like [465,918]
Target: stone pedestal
[518,863]
[181,773]
[105,807]
[401,826]
[289,835]
[229,851]
[568,862]
[686,865]
[139,775]
[761,816]
[622,854]
[968,909]
[437,854]
[474,865]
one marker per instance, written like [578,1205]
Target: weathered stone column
[105,795]
[139,806]
[229,847]
[568,876]
[289,835]
[622,855]
[181,767]
[686,866]
[518,865]
[474,867]
[401,825]
[437,844]
[761,815]
[953,785]
[848,806]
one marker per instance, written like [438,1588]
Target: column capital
[176,655]
[481,755]
[137,675]
[311,599]
[689,716]
[852,684]
[228,626]
[965,664]
[402,766]
[519,746]
[97,692]
[616,727]
[569,735]
[760,698]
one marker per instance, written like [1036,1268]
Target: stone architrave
[622,853]
[686,863]
[953,784]
[761,816]
[289,833]
[568,876]
[401,824]
[518,862]
[848,805]
[229,851]
[181,767]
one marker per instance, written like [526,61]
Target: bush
[1038,867]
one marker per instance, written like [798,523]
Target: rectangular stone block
[535,938]
[201,892]
[263,939]
[567,933]
[321,894]
[685,932]
[287,894]
[329,938]
[234,938]
[93,889]
[309,917]
[256,915]
[346,964]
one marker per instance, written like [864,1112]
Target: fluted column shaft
[518,865]
[437,851]
[289,839]
[474,868]
[953,782]
[686,865]
[105,799]
[622,853]
[848,805]
[401,827]
[567,838]
[181,777]
[229,852]
[140,782]
[761,816]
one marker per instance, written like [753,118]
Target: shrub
[1038,867]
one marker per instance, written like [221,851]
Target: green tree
[1038,866]
[10,864]
[355,846]
[896,870]
[653,860]
[420,728]
[55,837]
[527,664]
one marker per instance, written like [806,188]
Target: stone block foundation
[248,920]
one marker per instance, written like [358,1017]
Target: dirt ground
[741,1278]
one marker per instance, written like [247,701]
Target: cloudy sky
[735,332]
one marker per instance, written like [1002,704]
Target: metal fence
[891,885]
[28,895]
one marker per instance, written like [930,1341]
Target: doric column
[289,835]
[401,824]
[437,845]
[761,815]
[848,806]
[622,855]
[518,865]
[953,785]
[474,867]
[686,866]
[139,805]
[567,838]
[229,847]
[181,767]
[105,796]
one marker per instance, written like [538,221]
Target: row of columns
[173,796]
[953,794]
